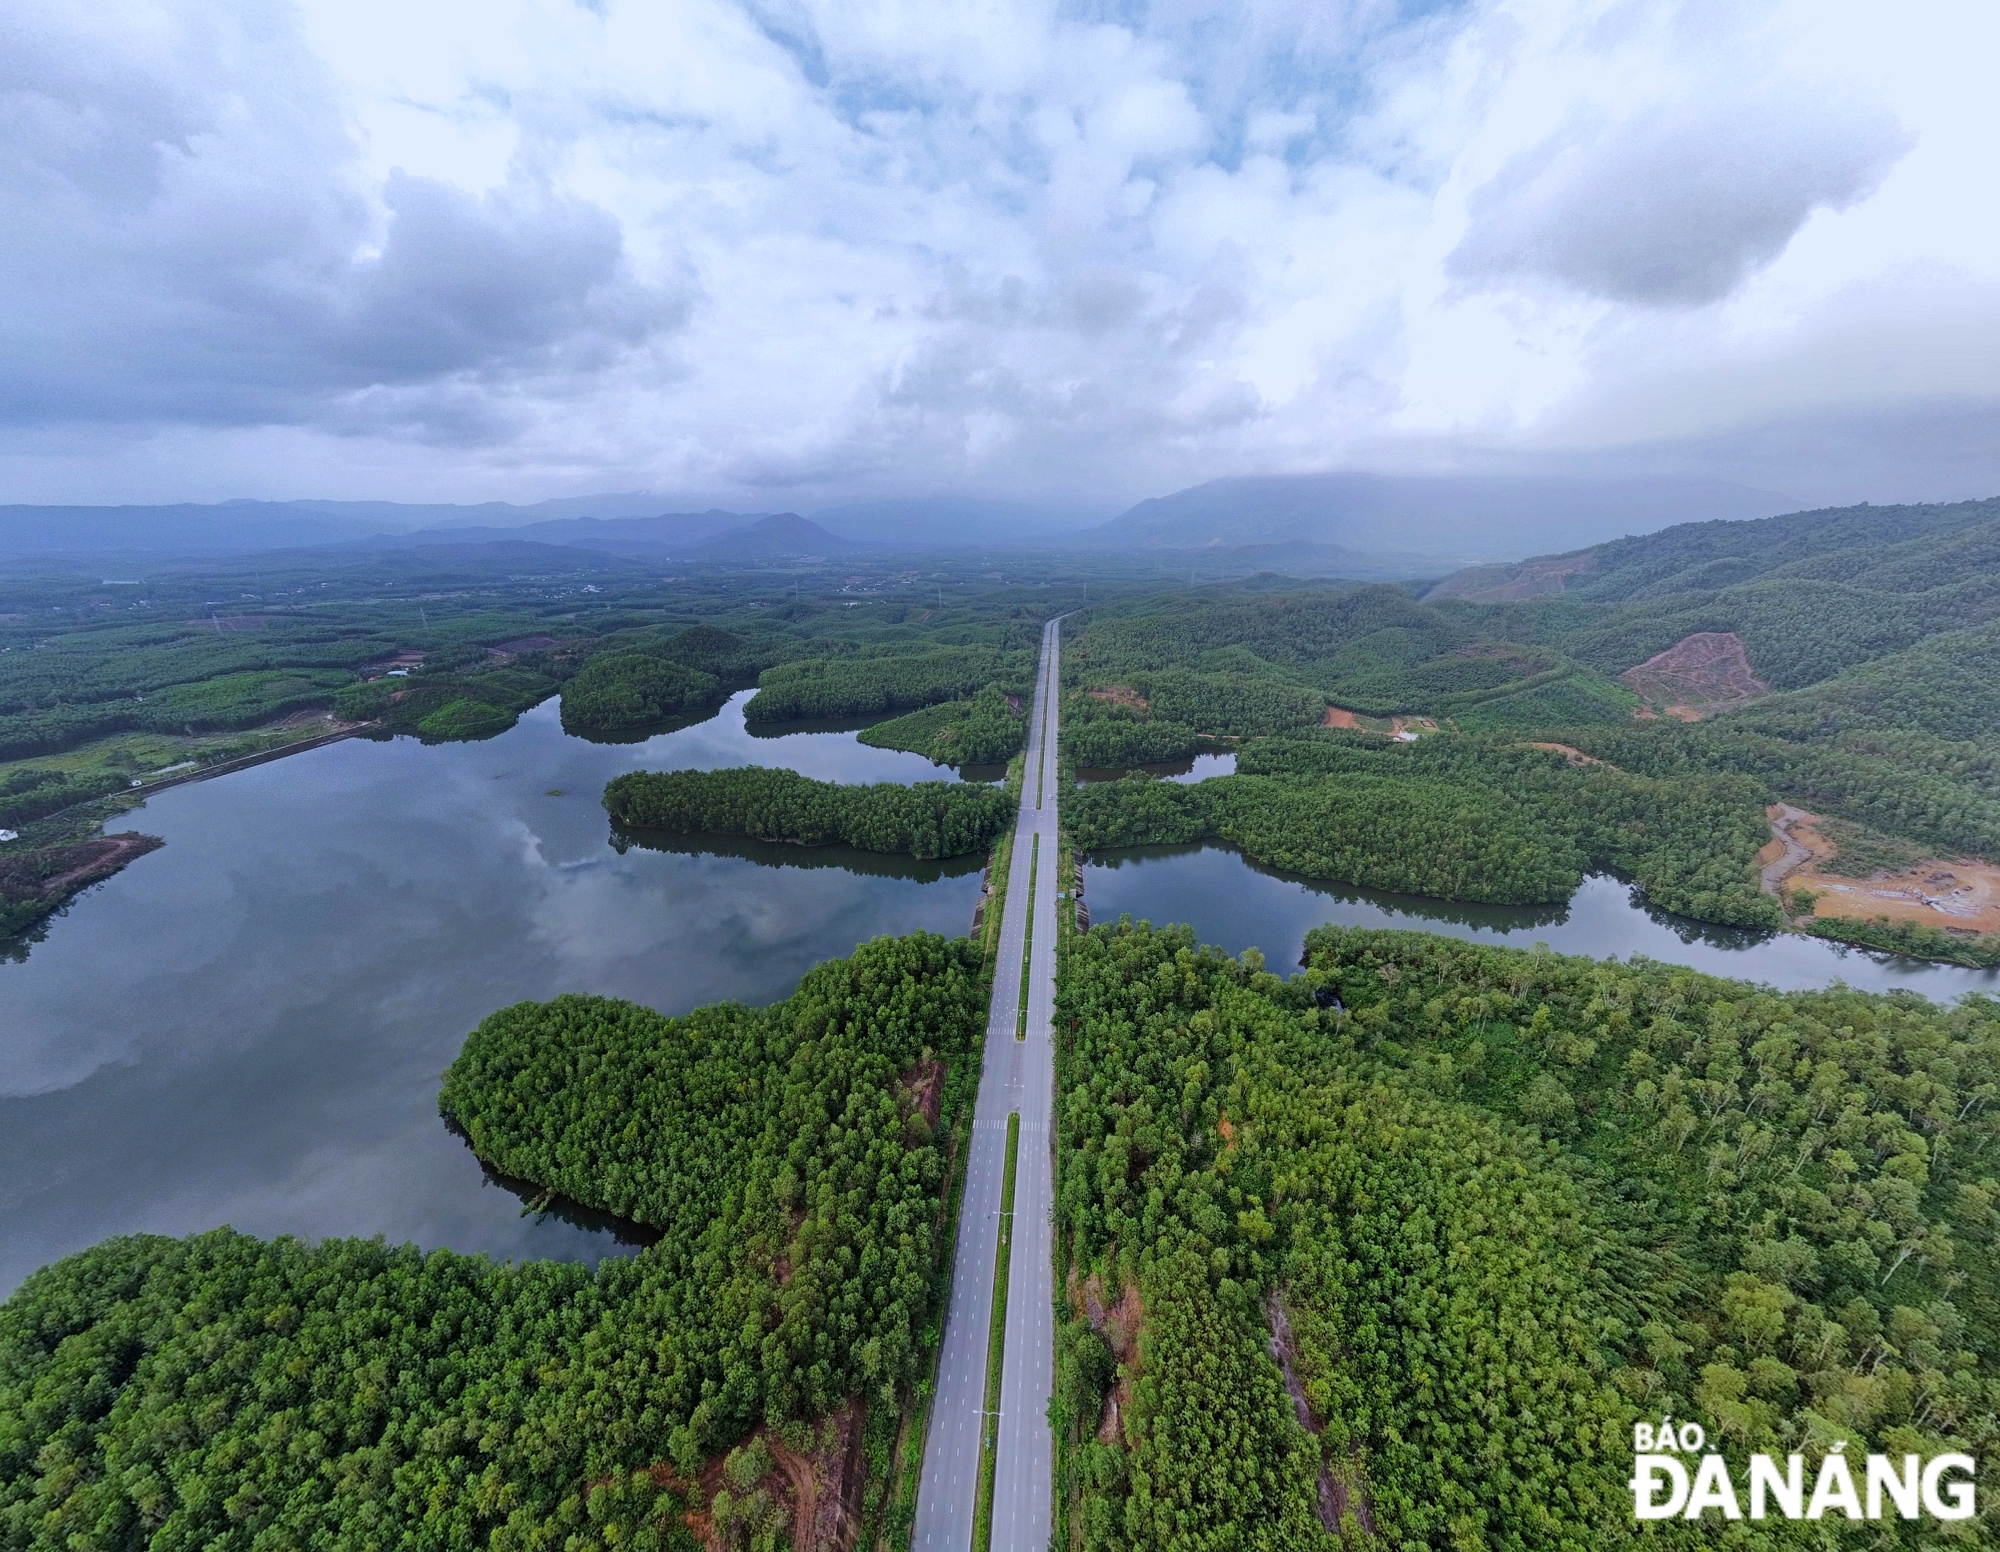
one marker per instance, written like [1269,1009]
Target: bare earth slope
[1700,673]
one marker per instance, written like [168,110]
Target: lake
[248,1025]
[1232,902]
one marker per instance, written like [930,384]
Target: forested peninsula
[858,686]
[985,729]
[926,819]
[1476,818]
[1398,1250]
[224,1391]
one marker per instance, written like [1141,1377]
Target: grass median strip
[996,1349]
[1027,942]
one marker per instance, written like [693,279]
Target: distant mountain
[644,538]
[1453,518]
[229,528]
[782,536]
[239,527]
[951,523]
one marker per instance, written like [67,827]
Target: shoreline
[46,898]
[243,762]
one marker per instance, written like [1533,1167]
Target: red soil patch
[1574,755]
[819,1492]
[1341,717]
[50,872]
[1958,895]
[1122,695]
[1119,1325]
[1700,673]
[921,1091]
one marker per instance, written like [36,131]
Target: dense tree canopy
[926,819]
[616,692]
[226,1392]
[1490,1207]
[1457,818]
[859,686]
[984,730]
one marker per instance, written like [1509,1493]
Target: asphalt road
[1018,1075]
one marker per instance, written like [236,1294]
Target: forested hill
[1846,662]
[1897,549]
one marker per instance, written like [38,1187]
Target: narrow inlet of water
[1235,904]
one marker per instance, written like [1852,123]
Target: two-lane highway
[1018,1075]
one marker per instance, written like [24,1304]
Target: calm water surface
[248,1025]
[1232,902]
[1197,767]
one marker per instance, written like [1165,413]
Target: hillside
[1402,1246]
[662,533]
[1844,663]
[1894,548]
[1451,517]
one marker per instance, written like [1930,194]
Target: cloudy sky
[794,253]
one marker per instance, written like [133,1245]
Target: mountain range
[1371,526]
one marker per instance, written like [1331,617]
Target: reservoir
[248,1025]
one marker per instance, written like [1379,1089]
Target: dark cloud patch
[476,282]
[188,244]
[1679,204]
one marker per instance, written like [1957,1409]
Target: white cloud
[517,247]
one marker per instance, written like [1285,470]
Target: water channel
[248,1025]
[1237,904]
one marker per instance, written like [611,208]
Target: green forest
[926,819]
[1483,1209]
[981,730]
[615,692]
[845,687]
[227,1392]
[1457,818]
[1873,630]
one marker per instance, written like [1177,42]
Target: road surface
[1018,1075]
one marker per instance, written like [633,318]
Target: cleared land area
[1696,675]
[1959,894]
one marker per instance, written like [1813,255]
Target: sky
[783,253]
